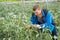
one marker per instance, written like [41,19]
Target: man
[42,19]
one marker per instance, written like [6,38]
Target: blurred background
[15,15]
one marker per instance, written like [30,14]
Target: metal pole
[47,3]
[34,2]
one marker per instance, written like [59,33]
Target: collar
[42,13]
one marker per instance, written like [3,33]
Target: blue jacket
[47,20]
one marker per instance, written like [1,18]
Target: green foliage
[8,0]
[15,18]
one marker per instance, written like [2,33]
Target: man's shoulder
[33,14]
[45,11]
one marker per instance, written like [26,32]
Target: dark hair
[36,7]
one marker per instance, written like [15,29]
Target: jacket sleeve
[48,20]
[33,19]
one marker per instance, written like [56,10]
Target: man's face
[37,11]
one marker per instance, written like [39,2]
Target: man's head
[37,9]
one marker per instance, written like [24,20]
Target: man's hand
[34,26]
[37,26]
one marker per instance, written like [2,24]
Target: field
[14,19]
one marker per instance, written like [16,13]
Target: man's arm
[33,19]
[48,20]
